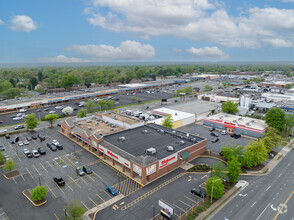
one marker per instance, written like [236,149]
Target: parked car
[221,153]
[1,122]
[41,150]
[35,153]
[51,112]
[39,110]
[7,136]
[80,171]
[29,138]
[25,142]
[27,153]
[87,169]
[46,109]
[34,137]
[22,110]
[41,137]
[20,143]
[2,148]
[211,129]
[59,147]
[6,157]
[59,181]
[236,136]
[52,147]
[111,190]
[19,127]
[198,192]
[55,142]
[214,134]
[224,132]
[215,140]
[3,130]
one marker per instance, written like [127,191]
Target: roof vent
[174,132]
[235,121]
[182,143]
[79,123]
[144,132]
[97,123]
[240,119]
[111,129]
[252,121]
[248,123]
[170,148]
[151,151]
[100,133]
[187,135]
[121,139]
[194,140]
[89,128]
[161,131]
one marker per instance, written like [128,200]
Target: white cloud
[62,59]
[278,43]
[197,20]
[208,52]
[1,22]
[127,50]
[23,23]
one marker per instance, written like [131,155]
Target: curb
[213,158]
[33,201]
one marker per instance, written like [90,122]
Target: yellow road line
[91,178]
[59,188]
[96,175]
[58,163]
[106,193]
[29,173]
[36,170]
[190,199]
[74,181]
[185,203]
[179,207]
[50,165]
[14,180]
[51,190]
[281,209]
[22,176]
[93,201]
[83,180]
[43,167]
[69,186]
[56,216]
[84,205]
[177,215]
[100,197]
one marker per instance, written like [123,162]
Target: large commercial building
[143,152]
[237,124]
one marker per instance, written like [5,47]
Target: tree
[67,110]
[255,153]
[247,81]
[9,165]
[134,98]
[232,150]
[2,158]
[11,93]
[168,122]
[230,107]
[218,187]
[139,100]
[207,88]
[110,103]
[188,90]
[33,83]
[288,86]
[51,118]
[39,193]
[75,210]
[276,118]
[31,121]
[91,106]
[234,169]
[5,85]
[69,80]
[82,113]
[271,139]
[289,122]
[219,170]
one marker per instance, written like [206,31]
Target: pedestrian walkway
[3,215]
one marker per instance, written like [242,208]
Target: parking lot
[89,189]
[223,139]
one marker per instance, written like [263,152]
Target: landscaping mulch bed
[12,174]
[257,168]
[28,194]
[2,163]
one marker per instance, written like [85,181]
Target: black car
[75,109]
[2,148]
[59,147]
[59,124]
[29,138]
[52,147]
[41,150]
[215,140]
[7,136]
[12,116]
[41,137]
[59,180]
[34,137]
[214,134]
[211,129]
[198,192]
[46,109]
[87,169]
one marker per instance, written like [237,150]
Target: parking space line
[100,197]
[69,187]
[50,165]
[93,201]
[106,193]
[74,181]
[43,167]
[29,173]
[91,178]
[22,176]
[36,170]
[56,216]
[14,180]
[179,207]
[97,175]
[10,146]
[177,215]
[51,190]
[83,179]
[84,205]
[59,188]
[185,203]
[58,164]
[190,199]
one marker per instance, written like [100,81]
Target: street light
[153,208]
[212,188]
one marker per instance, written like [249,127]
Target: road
[264,196]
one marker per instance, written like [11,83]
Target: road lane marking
[69,186]
[43,167]
[83,180]
[50,165]
[253,204]
[14,180]
[263,211]
[29,173]
[22,176]
[268,188]
[289,164]
[51,190]
[106,193]
[84,205]
[281,209]
[91,178]
[100,197]
[96,175]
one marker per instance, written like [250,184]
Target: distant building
[279,84]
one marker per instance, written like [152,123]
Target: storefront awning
[185,154]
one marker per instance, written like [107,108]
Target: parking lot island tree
[91,106]
[207,88]
[74,210]
[255,153]
[67,110]
[232,150]
[271,139]
[214,187]
[230,107]
[276,118]
[9,165]
[2,158]
[134,99]
[39,193]
[219,170]
[168,122]
[82,113]
[31,121]
[51,118]
[290,123]
[234,169]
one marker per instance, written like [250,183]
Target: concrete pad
[242,184]
[186,166]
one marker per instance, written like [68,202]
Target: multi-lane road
[266,197]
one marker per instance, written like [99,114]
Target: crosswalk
[127,186]
[3,215]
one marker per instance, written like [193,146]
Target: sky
[81,31]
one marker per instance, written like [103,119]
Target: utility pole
[153,208]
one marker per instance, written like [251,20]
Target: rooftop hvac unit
[109,113]
[121,139]
[89,128]
[89,120]
[100,133]
[187,135]
[182,143]
[194,140]
[161,131]
[174,132]
[144,132]
[151,151]
[252,121]
[248,123]
[235,121]
[170,148]
[111,129]
[240,119]
[97,123]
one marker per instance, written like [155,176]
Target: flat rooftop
[137,142]
[195,106]
[239,120]
[119,117]
[176,114]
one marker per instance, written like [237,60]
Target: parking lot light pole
[212,189]
[39,180]
[153,209]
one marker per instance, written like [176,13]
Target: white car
[3,130]
[51,112]
[22,110]
[224,132]
[55,142]
[20,143]
[35,153]
[16,118]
